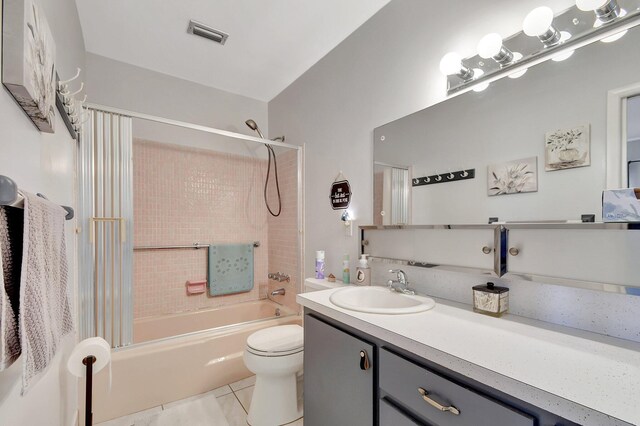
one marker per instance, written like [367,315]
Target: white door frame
[617,134]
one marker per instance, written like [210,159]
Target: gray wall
[387,69]
[41,162]
[117,84]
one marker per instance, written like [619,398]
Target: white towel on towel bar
[9,286]
[45,309]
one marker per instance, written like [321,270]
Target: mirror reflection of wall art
[513,177]
[567,148]
[28,54]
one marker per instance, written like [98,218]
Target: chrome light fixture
[539,23]
[558,35]
[492,46]
[605,11]
[451,64]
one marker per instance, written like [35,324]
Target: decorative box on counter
[621,205]
[490,299]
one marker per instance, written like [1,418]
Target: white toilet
[275,355]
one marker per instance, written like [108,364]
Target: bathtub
[160,327]
[205,354]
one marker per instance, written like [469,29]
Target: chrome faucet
[278,292]
[401,285]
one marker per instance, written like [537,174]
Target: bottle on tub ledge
[320,264]
[363,272]
[345,269]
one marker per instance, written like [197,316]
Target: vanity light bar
[202,30]
[544,37]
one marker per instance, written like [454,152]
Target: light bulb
[480,87]
[516,57]
[518,74]
[490,45]
[614,37]
[562,56]
[451,63]
[564,36]
[477,72]
[538,21]
[589,5]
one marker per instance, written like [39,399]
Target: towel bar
[10,196]
[194,246]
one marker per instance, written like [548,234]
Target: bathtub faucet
[279,276]
[278,292]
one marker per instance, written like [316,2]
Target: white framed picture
[513,177]
[568,148]
[28,61]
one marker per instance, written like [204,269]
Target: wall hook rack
[444,177]
[10,196]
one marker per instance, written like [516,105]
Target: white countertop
[588,369]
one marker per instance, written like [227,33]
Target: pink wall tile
[187,195]
[283,230]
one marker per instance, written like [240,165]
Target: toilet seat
[282,340]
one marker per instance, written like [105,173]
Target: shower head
[254,126]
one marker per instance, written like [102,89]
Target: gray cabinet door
[337,391]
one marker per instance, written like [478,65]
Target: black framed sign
[340,195]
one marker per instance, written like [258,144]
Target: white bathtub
[207,355]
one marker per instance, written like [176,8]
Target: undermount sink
[380,300]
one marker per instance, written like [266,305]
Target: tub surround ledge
[585,377]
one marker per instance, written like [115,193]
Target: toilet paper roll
[93,346]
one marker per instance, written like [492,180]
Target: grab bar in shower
[194,246]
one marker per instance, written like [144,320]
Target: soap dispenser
[363,272]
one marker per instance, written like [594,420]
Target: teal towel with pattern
[230,269]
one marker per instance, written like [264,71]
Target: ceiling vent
[196,28]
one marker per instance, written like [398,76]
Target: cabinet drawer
[402,379]
[389,415]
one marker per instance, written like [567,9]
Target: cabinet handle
[364,361]
[514,251]
[425,395]
[486,250]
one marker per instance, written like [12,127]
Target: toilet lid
[283,338]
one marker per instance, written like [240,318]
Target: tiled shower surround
[283,232]
[184,195]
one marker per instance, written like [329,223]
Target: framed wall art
[28,61]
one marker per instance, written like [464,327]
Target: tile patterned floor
[232,406]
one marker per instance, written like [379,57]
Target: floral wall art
[28,61]
[567,148]
[513,177]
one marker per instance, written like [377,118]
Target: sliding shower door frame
[300,163]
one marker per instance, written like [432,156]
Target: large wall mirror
[538,144]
